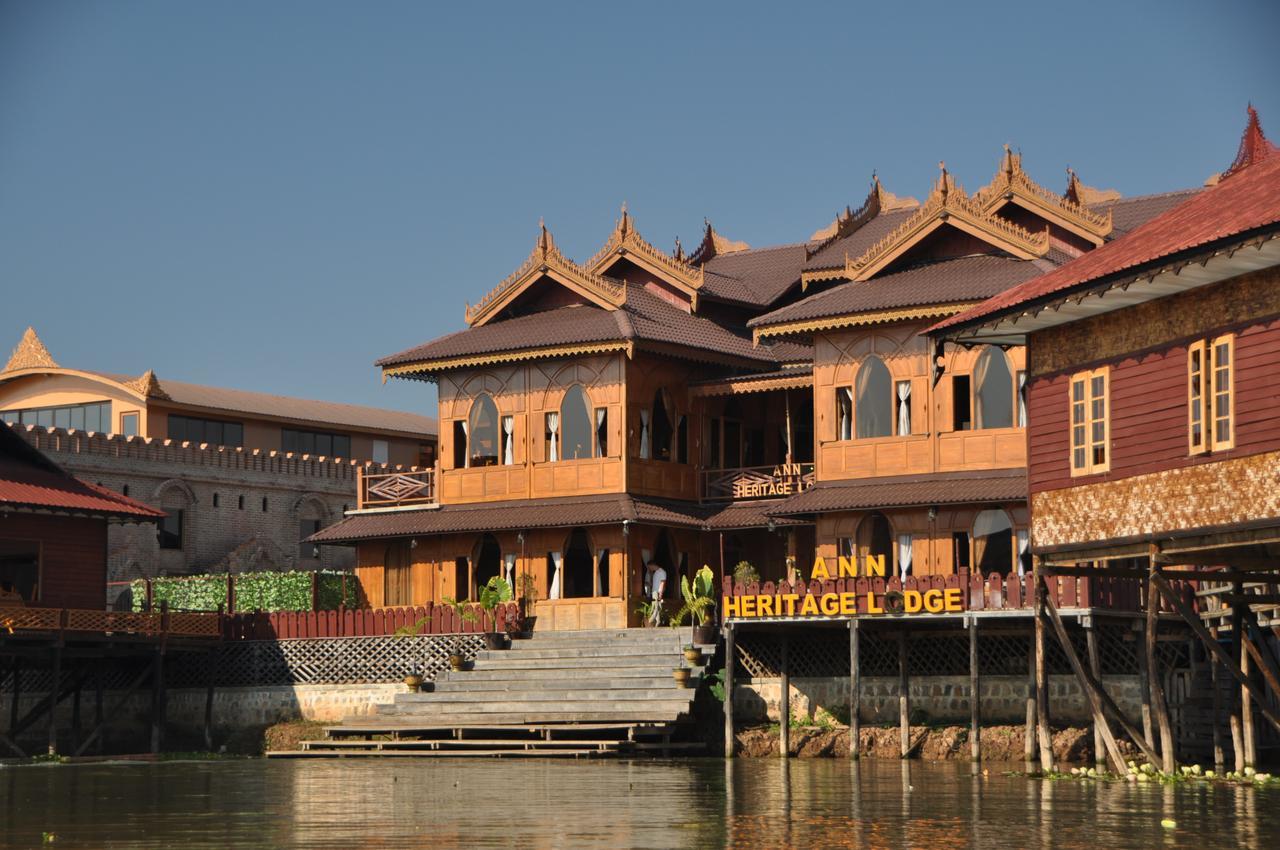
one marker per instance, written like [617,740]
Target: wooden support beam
[120,703]
[1262,656]
[730,659]
[975,695]
[904,699]
[54,699]
[1215,730]
[1247,727]
[1029,734]
[1092,688]
[1144,688]
[157,702]
[1258,694]
[1095,669]
[784,702]
[1134,572]
[97,705]
[75,716]
[1159,705]
[212,659]
[1239,702]
[855,691]
[1042,671]
[17,694]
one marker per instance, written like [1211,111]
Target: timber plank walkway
[559,695]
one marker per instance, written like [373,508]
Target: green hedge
[253,591]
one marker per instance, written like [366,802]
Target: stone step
[450,754]
[597,679]
[622,729]
[588,639]
[553,674]
[575,652]
[644,714]
[471,744]
[478,710]
[519,661]
[665,691]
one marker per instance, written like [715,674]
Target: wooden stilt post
[1029,734]
[97,707]
[1168,760]
[1095,668]
[730,659]
[1239,699]
[1144,687]
[1250,689]
[17,693]
[975,694]
[75,714]
[55,687]
[904,697]
[157,688]
[855,690]
[784,702]
[1215,727]
[1246,710]
[1042,671]
[212,660]
[1092,689]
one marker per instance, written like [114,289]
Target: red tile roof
[29,480]
[1246,201]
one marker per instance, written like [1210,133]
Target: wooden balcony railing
[754,482]
[397,489]
[20,621]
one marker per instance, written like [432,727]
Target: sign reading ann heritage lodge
[845,603]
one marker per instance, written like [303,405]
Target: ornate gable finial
[1012,184]
[677,253]
[1085,196]
[546,242]
[30,353]
[1254,146]
[713,245]
[149,386]
[626,241]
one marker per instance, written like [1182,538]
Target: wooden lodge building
[772,405]
[1152,395]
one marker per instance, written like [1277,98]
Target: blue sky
[270,195]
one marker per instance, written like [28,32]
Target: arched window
[873,399]
[993,542]
[482,432]
[579,565]
[660,428]
[488,561]
[993,390]
[575,424]
[875,540]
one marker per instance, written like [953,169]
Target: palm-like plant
[699,598]
[495,592]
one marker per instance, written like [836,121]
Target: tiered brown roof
[906,491]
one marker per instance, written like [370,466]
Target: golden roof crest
[1012,185]
[148,385]
[626,241]
[546,260]
[713,245]
[878,200]
[30,353]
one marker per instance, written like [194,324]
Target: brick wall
[242,509]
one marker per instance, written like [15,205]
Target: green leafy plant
[699,598]
[528,589]
[744,573]
[462,608]
[414,628]
[495,592]
[645,610]
[265,591]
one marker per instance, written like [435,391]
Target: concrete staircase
[560,694]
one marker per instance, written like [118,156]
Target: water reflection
[765,803]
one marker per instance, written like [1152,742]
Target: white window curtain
[553,428]
[904,556]
[509,451]
[602,571]
[644,438]
[466,450]
[1024,543]
[980,370]
[557,562]
[510,559]
[904,408]
[1022,399]
[846,414]
[601,413]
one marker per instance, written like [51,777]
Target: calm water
[544,804]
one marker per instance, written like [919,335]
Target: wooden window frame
[1212,418]
[1089,466]
[1197,383]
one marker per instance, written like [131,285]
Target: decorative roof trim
[947,204]
[1012,185]
[820,275]
[713,245]
[878,200]
[1086,196]
[130,387]
[1254,146]
[626,242]
[746,384]
[427,366]
[849,320]
[148,385]
[30,353]
[546,260]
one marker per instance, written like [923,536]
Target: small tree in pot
[458,661]
[699,605]
[495,592]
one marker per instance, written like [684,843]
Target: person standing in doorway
[657,589]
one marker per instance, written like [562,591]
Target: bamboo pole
[1159,705]
[784,703]
[855,691]
[1042,670]
[730,659]
[1092,689]
[975,694]
[904,698]
[1095,668]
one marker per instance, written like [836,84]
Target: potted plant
[528,599]
[693,655]
[495,592]
[413,682]
[744,573]
[645,609]
[458,661]
[699,603]
[681,675]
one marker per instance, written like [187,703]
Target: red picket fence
[370,622]
[994,593]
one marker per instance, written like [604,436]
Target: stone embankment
[944,743]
